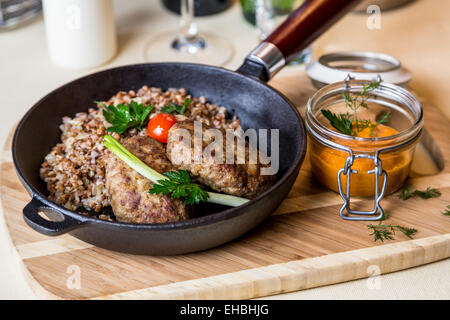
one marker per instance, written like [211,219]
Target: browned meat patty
[244,180]
[128,190]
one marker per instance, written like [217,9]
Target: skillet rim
[186,224]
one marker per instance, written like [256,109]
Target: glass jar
[363,166]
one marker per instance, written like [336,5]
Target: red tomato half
[159,125]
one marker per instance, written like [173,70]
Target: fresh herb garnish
[173,107]
[386,232]
[407,193]
[125,116]
[384,118]
[134,163]
[427,194]
[179,185]
[342,121]
[360,99]
[368,124]
[446,212]
[385,216]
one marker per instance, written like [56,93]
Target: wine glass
[187,45]
[267,15]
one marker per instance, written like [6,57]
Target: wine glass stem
[187,39]
[188,27]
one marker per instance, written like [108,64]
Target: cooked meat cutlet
[244,180]
[128,190]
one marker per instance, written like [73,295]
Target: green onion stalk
[133,162]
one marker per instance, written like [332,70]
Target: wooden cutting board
[304,244]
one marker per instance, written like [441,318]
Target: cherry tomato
[159,125]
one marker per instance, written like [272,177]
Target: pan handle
[298,31]
[48,227]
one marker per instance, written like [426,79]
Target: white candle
[80,33]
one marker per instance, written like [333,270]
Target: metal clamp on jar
[364,165]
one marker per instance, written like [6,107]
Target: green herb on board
[407,193]
[446,212]
[386,232]
[383,232]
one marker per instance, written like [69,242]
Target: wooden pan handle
[301,28]
[307,23]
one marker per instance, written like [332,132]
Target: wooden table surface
[418,35]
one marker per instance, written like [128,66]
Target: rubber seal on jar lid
[335,67]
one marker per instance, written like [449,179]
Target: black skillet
[243,93]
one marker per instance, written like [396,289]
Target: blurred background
[89,33]
[223,32]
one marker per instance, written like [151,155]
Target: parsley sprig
[125,116]
[383,232]
[173,107]
[179,185]
[407,193]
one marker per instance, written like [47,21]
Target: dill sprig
[386,232]
[383,232]
[446,212]
[407,193]
[359,100]
[343,122]
[368,124]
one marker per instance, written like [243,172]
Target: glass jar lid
[335,67]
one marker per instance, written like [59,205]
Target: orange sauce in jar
[326,162]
